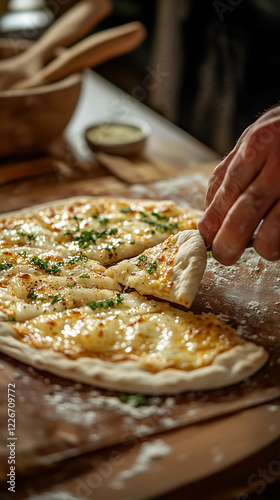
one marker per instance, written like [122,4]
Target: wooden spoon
[69,28]
[91,51]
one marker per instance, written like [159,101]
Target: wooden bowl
[30,119]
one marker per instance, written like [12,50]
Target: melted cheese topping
[153,268]
[154,334]
[36,283]
[107,231]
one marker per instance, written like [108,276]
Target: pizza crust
[227,369]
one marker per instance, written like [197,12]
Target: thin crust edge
[227,369]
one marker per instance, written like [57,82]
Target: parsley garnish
[103,221]
[4,267]
[134,399]
[84,276]
[12,319]
[44,264]
[110,249]
[56,299]
[152,267]
[125,210]
[81,256]
[31,237]
[160,217]
[141,258]
[105,304]
[163,228]
[32,295]
[87,237]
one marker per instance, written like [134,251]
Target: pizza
[171,270]
[88,291]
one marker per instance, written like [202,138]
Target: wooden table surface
[224,438]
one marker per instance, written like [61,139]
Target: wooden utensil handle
[89,52]
[72,25]
[69,28]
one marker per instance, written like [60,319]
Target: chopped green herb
[110,249]
[56,299]
[103,221]
[87,237]
[4,267]
[72,286]
[12,319]
[31,237]
[119,298]
[84,275]
[132,242]
[163,228]
[32,295]
[152,267]
[41,298]
[141,258]
[77,218]
[209,254]
[134,399]
[44,264]
[125,210]
[80,256]
[105,304]
[160,217]
[24,253]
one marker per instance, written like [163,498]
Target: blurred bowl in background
[30,119]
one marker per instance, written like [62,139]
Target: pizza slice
[109,230]
[129,343]
[33,282]
[171,270]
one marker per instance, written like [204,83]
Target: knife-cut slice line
[171,270]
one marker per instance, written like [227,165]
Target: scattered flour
[148,452]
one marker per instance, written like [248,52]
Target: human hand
[244,190]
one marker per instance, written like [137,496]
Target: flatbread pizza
[67,271]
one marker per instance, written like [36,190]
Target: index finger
[237,178]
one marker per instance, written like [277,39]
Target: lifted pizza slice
[171,270]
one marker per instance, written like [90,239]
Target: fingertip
[205,233]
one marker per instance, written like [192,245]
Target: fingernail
[204,233]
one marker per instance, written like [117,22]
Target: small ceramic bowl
[118,137]
[30,119]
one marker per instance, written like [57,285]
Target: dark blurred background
[209,66]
